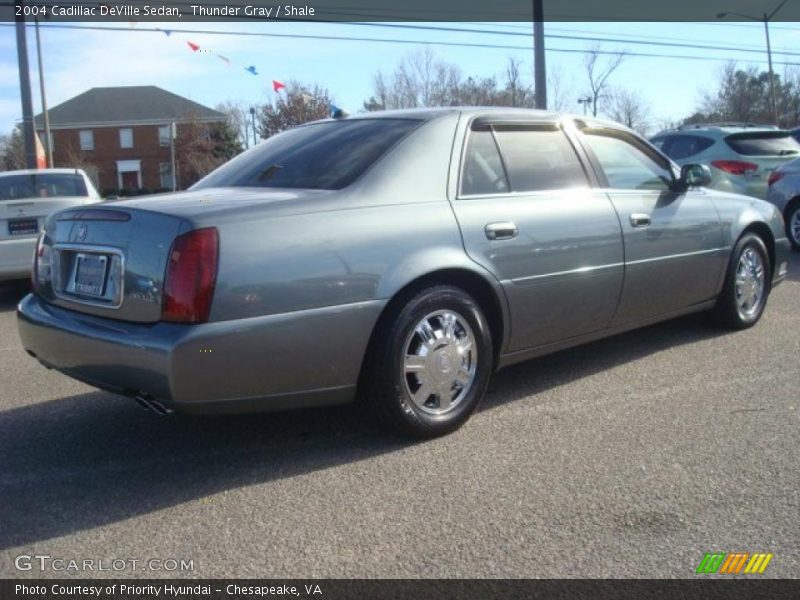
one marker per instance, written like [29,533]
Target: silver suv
[741,156]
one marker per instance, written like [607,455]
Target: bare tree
[560,93]
[419,80]
[238,115]
[629,108]
[598,70]
[422,80]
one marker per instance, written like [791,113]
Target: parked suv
[741,156]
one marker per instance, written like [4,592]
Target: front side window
[126,138]
[483,171]
[539,158]
[86,139]
[627,163]
[328,155]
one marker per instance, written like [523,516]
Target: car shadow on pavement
[11,292]
[93,459]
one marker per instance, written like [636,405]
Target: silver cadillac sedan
[398,258]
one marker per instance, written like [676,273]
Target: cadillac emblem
[82,231]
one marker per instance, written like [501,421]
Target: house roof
[133,105]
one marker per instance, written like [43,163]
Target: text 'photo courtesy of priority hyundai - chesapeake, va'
[374,300]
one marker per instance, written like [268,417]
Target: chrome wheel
[439,361]
[750,283]
[794,227]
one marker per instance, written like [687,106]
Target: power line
[391,41]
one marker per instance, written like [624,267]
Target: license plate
[90,274]
[23,226]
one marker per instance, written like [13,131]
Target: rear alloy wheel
[431,364]
[793,225]
[747,284]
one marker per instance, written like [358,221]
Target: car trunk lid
[107,260]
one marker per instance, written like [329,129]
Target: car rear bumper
[291,360]
[16,258]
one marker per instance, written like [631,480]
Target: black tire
[728,312]
[387,388]
[793,212]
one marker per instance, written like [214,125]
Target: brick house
[121,135]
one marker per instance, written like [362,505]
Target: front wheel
[747,284]
[793,225]
[431,363]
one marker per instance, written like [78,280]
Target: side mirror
[695,176]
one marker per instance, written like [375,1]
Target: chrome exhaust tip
[151,405]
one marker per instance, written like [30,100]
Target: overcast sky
[76,60]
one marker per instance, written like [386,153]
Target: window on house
[164,138]
[165,171]
[126,138]
[87,140]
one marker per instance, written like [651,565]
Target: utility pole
[253,115]
[772,98]
[25,91]
[47,139]
[765,18]
[539,69]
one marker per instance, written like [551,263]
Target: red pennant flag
[194,47]
[276,85]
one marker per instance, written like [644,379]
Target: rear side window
[769,143]
[678,147]
[483,168]
[41,185]
[519,158]
[326,156]
[539,158]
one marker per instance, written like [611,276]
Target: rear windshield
[41,185]
[326,156]
[777,143]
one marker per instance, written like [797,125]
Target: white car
[27,197]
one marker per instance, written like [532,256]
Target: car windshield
[328,156]
[41,185]
[764,143]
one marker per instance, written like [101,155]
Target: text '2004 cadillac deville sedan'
[405,255]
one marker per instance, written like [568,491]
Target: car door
[674,250]
[528,214]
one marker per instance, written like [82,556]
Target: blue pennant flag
[251,69]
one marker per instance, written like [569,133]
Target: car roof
[41,172]
[500,112]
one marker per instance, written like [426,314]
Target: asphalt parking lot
[629,457]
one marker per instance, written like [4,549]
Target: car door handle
[640,220]
[505,230]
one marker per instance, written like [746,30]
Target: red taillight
[191,275]
[735,167]
[775,176]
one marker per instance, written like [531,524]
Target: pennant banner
[277,86]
